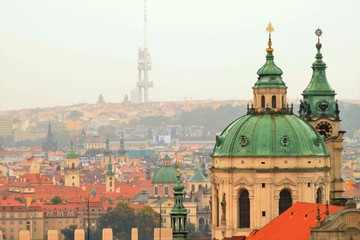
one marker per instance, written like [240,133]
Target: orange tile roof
[294,223]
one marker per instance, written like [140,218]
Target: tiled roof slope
[294,223]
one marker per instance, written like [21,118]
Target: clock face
[324,129]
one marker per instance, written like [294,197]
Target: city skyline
[59,53]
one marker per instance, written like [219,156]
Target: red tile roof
[294,223]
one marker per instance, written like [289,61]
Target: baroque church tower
[321,110]
[72,168]
[266,160]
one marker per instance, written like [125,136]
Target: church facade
[270,158]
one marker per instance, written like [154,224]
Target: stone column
[24,235]
[52,235]
[134,234]
[107,234]
[1,234]
[79,234]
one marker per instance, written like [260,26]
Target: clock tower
[321,110]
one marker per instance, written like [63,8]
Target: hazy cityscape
[125,121]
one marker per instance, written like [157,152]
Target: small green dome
[269,74]
[270,135]
[71,154]
[165,174]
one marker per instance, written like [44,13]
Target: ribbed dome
[165,174]
[270,135]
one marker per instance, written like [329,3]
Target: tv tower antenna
[144,65]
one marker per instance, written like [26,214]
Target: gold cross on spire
[269,29]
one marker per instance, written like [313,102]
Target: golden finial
[269,29]
[178,167]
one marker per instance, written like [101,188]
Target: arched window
[244,209]
[263,101]
[285,200]
[73,165]
[273,102]
[319,196]
[199,187]
[282,101]
[193,188]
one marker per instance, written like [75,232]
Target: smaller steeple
[178,213]
[319,97]
[107,150]
[49,144]
[110,168]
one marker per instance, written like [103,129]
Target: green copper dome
[269,135]
[165,174]
[71,154]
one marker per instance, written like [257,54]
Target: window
[244,209]
[263,185]
[20,222]
[285,200]
[3,222]
[60,214]
[11,230]
[199,187]
[12,222]
[156,190]
[273,102]
[263,213]
[193,188]
[166,190]
[263,101]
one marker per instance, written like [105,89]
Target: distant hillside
[216,120]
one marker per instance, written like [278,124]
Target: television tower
[144,66]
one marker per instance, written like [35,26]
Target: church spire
[178,213]
[49,144]
[319,97]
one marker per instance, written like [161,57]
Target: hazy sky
[69,51]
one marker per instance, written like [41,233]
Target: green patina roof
[270,135]
[269,74]
[319,84]
[165,174]
[198,177]
[142,196]
[71,154]
[319,97]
